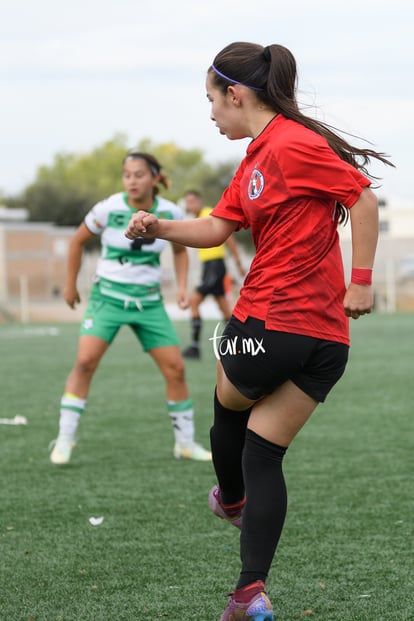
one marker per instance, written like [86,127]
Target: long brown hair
[271,73]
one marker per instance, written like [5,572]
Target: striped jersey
[124,262]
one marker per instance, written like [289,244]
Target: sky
[75,74]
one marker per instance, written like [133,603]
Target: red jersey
[286,189]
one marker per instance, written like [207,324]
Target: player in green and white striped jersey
[126,291]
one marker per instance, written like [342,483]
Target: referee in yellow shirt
[213,276]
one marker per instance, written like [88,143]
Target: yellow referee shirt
[208,254]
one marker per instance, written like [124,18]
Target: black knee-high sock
[196,324]
[227,437]
[265,509]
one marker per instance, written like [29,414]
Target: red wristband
[361,276]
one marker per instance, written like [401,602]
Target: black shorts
[212,278]
[257,361]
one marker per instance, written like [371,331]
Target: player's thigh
[227,393]
[90,350]
[282,414]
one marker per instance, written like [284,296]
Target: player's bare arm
[181,265]
[203,233]
[364,226]
[70,291]
[359,297]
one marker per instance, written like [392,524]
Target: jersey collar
[152,210]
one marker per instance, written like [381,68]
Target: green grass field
[346,553]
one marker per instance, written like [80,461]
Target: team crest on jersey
[97,224]
[88,323]
[256,184]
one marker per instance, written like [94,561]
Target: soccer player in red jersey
[287,342]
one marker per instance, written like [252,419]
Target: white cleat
[62,450]
[192,451]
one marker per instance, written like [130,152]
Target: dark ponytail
[272,75]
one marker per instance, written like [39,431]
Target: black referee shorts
[212,278]
[257,361]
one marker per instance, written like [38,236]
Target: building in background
[33,257]
[394,263]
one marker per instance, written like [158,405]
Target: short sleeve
[229,206]
[97,218]
[312,168]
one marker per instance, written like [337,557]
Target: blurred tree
[48,200]
[10,201]
[87,177]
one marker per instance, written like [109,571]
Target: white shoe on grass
[62,449]
[192,451]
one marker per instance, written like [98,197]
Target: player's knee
[86,366]
[176,372]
